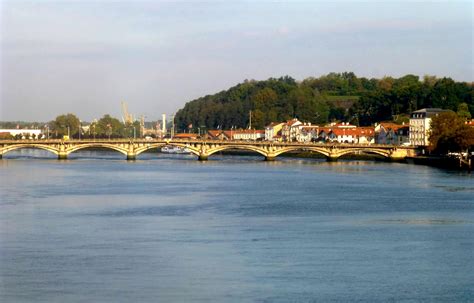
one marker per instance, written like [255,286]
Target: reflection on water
[168,228]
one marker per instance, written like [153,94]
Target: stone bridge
[205,148]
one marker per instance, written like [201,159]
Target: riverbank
[440,162]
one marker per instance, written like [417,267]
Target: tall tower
[163,125]
[172,127]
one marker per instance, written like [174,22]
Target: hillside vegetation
[336,96]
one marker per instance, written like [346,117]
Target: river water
[166,228]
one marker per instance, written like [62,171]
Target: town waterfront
[168,228]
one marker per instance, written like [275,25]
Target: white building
[307,132]
[291,129]
[272,130]
[248,134]
[420,125]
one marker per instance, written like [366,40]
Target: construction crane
[127,118]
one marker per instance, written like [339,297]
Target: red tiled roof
[354,132]
[185,135]
[392,126]
[214,133]
[292,122]
[229,134]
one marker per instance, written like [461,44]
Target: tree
[279,99]
[450,133]
[67,124]
[463,111]
[110,127]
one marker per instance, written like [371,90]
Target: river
[168,228]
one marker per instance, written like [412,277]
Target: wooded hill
[336,96]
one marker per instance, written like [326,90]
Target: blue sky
[86,57]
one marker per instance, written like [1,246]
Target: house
[247,134]
[342,135]
[215,135]
[290,130]
[353,135]
[366,135]
[391,133]
[307,133]
[272,130]
[420,125]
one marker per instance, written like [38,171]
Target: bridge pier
[62,156]
[203,157]
[269,158]
[131,157]
[331,159]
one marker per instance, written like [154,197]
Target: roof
[214,133]
[185,135]
[228,134]
[292,122]
[354,132]
[428,112]
[392,126]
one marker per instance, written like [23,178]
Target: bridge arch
[48,148]
[97,145]
[380,152]
[142,149]
[323,151]
[260,151]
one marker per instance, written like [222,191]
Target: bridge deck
[204,148]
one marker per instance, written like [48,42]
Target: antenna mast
[250,119]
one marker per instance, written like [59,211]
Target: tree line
[450,133]
[105,127]
[336,96]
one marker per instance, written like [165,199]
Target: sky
[86,57]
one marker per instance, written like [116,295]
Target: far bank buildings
[420,125]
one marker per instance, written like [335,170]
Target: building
[248,134]
[391,133]
[366,135]
[290,130]
[190,136]
[307,133]
[341,125]
[420,125]
[351,135]
[216,135]
[272,130]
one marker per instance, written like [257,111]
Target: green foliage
[336,96]
[450,133]
[108,126]
[463,111]
[59,127]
